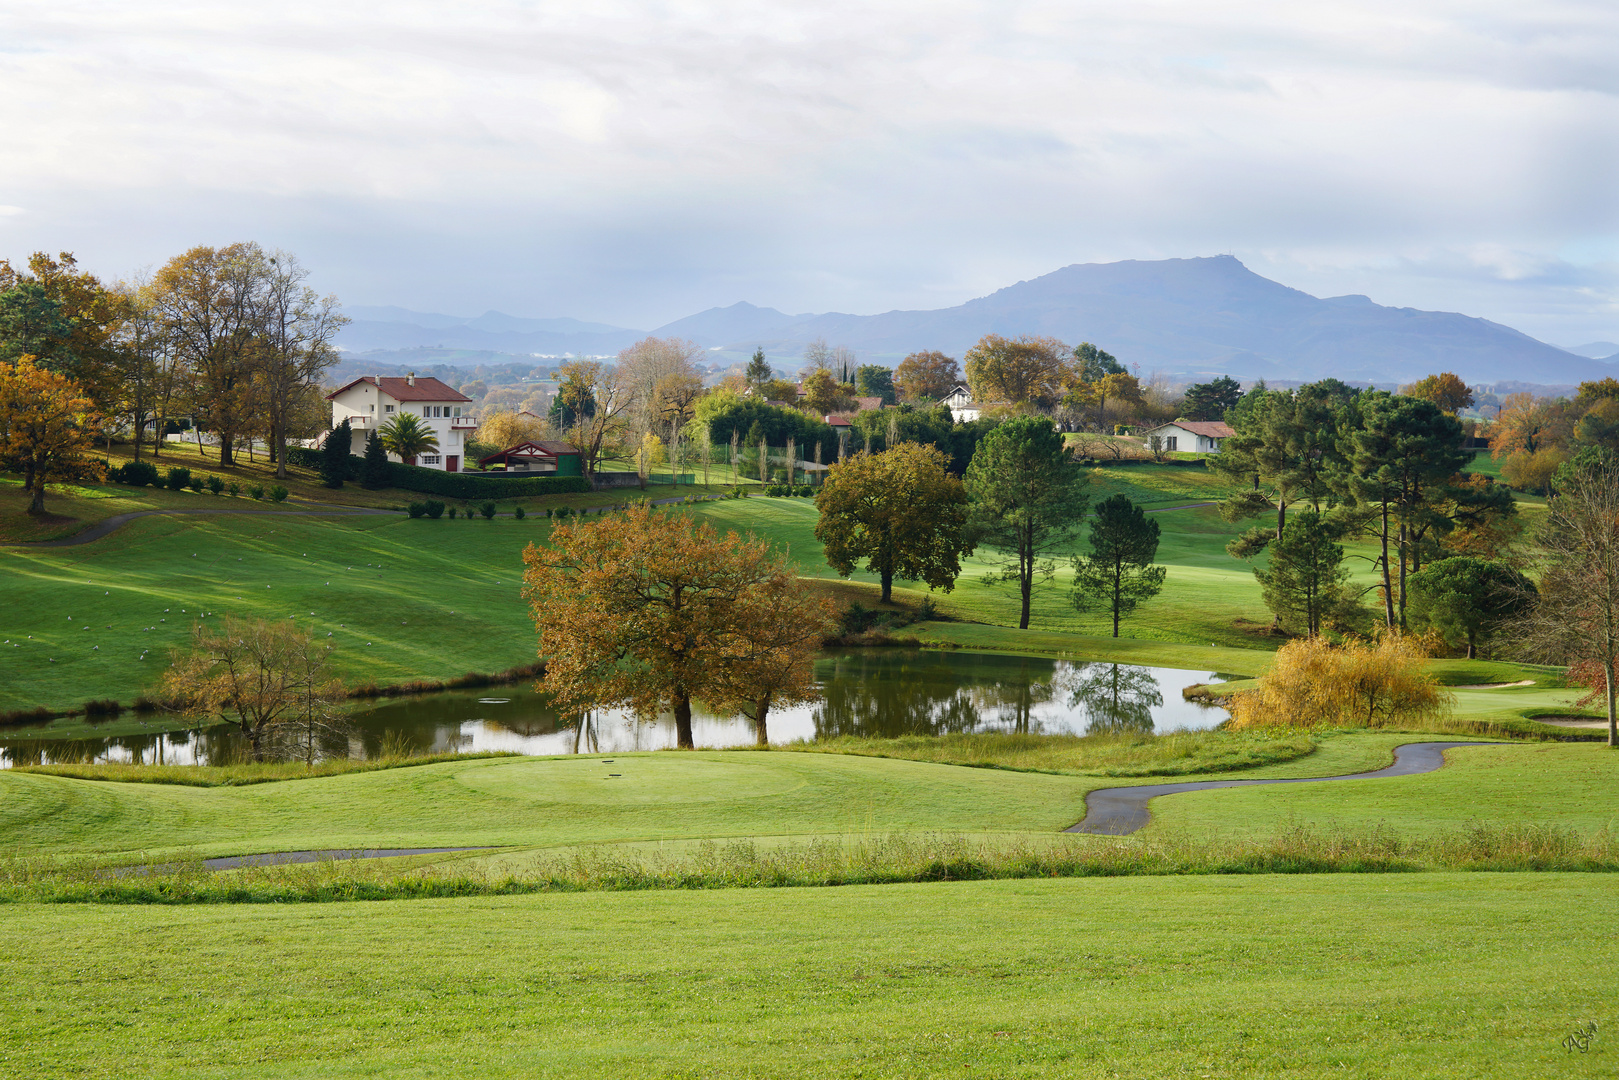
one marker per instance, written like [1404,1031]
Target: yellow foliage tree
[507,429]
[1356,684]
[46,427]
[1020,371]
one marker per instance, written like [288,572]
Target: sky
[634,162]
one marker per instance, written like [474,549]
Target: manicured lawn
[1574,785]
[1380,976]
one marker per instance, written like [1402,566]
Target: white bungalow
[369,402]
[1190,436]
[963,409]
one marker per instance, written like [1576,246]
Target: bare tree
[597,399]
[1575,619]
[297,328]
[651,368]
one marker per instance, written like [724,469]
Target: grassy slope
[1378,976]
[1574,785]
[569,801]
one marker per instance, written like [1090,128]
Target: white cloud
[634,161]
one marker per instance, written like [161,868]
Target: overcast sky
[635,162]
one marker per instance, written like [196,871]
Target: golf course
[854,907]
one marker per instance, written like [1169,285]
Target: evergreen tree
[1469,600]
[1211,400]
[374,474]
[1092,363]
[1118,573]
[759,371]
[1304,583]
[874,380]
[1028,499]
[334,461]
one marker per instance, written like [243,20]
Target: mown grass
[1359,975]
[1178,753]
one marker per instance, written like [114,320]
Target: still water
[873,693]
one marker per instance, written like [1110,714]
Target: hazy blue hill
[1596,350]
[1187,317]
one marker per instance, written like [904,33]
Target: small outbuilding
[541,458]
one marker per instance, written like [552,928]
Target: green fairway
[1382,976]
[1567,784]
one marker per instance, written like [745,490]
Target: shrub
[487,510]
[106,708]
[472,486]
[804,491]
[256,491]
[434,508]
[195,483]
[216,485]
[235,489]
[452,513]
[278,494]
[561,512]
[776,491]
[135,474]
[518,513]
[416,509]
[179,478]
[1357,684]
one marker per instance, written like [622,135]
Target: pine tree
[1118,574]
[759,371]
[334,462]
[374,475]
[1304,581]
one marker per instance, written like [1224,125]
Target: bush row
[179,478]
[450,485]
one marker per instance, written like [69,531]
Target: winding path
[1120,811]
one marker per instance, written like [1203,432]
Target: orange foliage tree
[927,375]
[46,424]
[1018,371]
[1445,390]
[652,609]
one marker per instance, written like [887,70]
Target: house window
[458,410]
[430,459]
[389,408]
[1169,443]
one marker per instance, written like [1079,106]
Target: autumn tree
[823,394]
[1469,600]
[774,662]
[1118,576]
[1028,499]
[46,427]
[598,400]
[208,297]
[1119,387]
[927,376]
[900,511]
[270,679]
[652,371]
[71,324]
[651,609]
[1313,683]
[1018,371]
[507,428]
[1575,620]
[1445,390]
[297,330]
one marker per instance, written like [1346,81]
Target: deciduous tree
[927,376]
[270,679]
[46,427]
[1018,371]
[900,511]
[1118,575]
[1445,390]
[297,330]
[1312,683]
[598,401]
[774,662]
[650,609]
[1028,499]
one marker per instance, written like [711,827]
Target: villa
[1190,436]
[369,402]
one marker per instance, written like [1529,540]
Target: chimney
[410,380]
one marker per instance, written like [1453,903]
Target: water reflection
[868,693]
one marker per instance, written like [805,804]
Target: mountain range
[1184,317]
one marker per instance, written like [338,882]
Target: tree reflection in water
[1117,699]
[885,694]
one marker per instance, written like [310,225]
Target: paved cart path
[1122,810]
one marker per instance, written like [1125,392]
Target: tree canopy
[1018,371]
[1211,400]
[1118,576]
[900,511]
[927,376]
[1469,600]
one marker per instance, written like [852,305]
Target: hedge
[451,485]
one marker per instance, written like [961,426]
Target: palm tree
[407,436]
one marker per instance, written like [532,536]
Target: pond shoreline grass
[245,773]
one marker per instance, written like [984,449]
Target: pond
[879,693]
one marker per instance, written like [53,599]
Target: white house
[369,402]
[1191,436]
[963,409]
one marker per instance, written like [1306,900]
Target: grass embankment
[1375,976]
[244,773]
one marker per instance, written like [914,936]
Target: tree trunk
[1402,574]
[761,709]
[1613,723]
[683,737]
[888,586]
[278,447]
[1118,589]
[36,504]
[1388,582]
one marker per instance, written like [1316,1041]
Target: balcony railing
[463,422]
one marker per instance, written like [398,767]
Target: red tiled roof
[533,450]
[427,388]
[1209,429]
